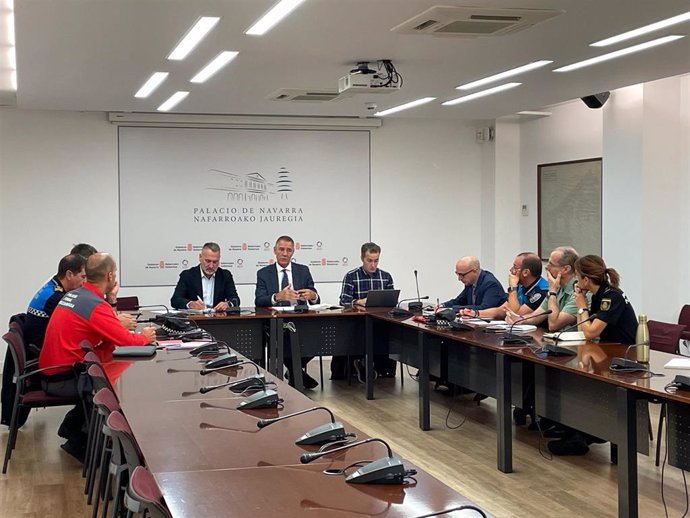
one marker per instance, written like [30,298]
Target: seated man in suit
[286,283]
[482,289]
[206,285]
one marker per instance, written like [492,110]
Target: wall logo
[253,186]
[345,260]
[189,247]
[185,262]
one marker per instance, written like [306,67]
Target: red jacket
[83,314]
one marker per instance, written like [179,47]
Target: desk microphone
[329,432]
[453,509]
[416,306]
[206,371]
[267,398]
[397,311]
[156,319]
[554,349]
[387,470]
[510,338]
[258,380]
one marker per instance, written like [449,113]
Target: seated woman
[615,321]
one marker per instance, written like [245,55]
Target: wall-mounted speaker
[596,100]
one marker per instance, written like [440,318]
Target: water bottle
[642,340]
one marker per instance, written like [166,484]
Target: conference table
[211,459]
[579,391]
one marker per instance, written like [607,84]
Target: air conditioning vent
[303,95]
[472,22]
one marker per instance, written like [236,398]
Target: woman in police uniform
[615,319]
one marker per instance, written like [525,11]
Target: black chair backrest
[15,344]
[128,303]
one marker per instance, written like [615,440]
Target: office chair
[128,303]
[28,391]
[143,495]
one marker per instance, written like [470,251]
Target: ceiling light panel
[273,17]
[643,30]
[483,93]
[173,101]
[405,106]
[503,75]
[151,84]
[618,53]
[214,66]
[193,37]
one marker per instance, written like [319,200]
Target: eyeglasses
[462,274]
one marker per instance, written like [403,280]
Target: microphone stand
[324,434]
[417,305]
[554,349]
[510,338]
[387,470]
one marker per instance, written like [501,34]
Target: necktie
[284,282]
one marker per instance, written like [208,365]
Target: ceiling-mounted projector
[365,80]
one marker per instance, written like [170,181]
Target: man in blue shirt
[527,289]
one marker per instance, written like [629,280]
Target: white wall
[642,134]
[58,186]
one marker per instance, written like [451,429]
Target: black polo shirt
[613,307]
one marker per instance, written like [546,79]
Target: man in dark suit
[206,285]
[482,289]
[284,284]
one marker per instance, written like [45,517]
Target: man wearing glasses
[560,272]
[482,289]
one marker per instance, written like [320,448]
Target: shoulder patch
[605,304]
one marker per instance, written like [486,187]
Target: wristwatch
[552,294]
[511,289]
[582,310]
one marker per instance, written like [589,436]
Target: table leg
[423,355]
[504,433]
[369,355]
[627,453]
[296,355]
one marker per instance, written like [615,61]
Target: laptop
[382,298]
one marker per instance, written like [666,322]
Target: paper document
[176,345]
[568,336]
[678,363]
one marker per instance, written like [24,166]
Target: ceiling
[93,55]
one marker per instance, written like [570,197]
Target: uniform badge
[605,304]
[535,297]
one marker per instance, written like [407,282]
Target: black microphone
[156,319]
[453,509]
[329,432]
[554,349]
[208,348]
[206,371]
[266,398]
[398,311]
[387,470]
[510,338]
[257,380]
[416,306]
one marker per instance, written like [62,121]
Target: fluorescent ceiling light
[194,35]
[151,84]
[503,75]
[214,66]
[172,101]
[483,93]
[618,53]
[405,106]
[642,30]
[273,16]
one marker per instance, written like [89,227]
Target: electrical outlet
[525,212]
